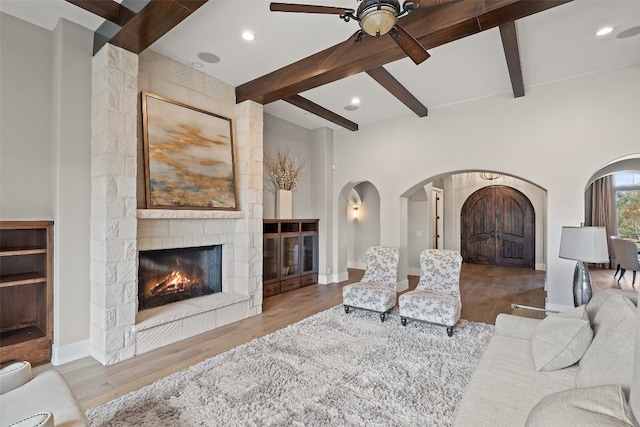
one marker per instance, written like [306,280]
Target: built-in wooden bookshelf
[290,259]
[26,291]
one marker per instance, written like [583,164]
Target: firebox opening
[171,275]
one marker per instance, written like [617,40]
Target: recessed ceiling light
[355,101]
[351,107]
[196,64]
[209,57]
[248,35]
[604,31]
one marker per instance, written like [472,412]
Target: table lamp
[583,244]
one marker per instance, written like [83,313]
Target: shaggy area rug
[331,369]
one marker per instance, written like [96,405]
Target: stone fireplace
[121,227]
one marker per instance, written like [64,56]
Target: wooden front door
[497,225]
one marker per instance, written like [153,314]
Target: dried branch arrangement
[285,172]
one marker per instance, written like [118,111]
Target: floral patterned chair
[377,290]
[436,298]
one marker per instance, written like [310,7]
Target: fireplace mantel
[187,214]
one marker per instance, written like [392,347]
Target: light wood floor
[486,291]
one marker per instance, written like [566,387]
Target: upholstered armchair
[436,298]
[377,289]
[626,251]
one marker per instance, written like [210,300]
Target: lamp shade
[587,244]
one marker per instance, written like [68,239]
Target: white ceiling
[555,44]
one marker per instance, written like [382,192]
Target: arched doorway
[498,228]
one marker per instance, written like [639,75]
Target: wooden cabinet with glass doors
[290,250]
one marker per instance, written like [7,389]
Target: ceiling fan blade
[341,50]
[411,47]
[308,8]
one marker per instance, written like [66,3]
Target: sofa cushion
[505,385]
[561,340]
[609,358]
[14,375]
[603,405]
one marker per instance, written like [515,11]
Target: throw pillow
[603,406]
[610,357]
[14,375]
[600,298]
[561,340]
[41,419]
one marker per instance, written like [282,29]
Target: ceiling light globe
[378,21]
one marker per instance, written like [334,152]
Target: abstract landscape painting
[188,156]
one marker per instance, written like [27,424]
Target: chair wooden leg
[346,309]
[403,320]
[382,316]
[617,270]
[450,331]
[633,282]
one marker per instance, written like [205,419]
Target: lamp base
[581,284]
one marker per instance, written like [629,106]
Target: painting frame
[189,156]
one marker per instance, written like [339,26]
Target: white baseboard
[557,307]
[413,271]
[325,279]
[403,285]
[541,266]
[70,352]
[357,265]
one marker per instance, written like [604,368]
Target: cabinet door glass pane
[309,245]
[290,255]
[270,261]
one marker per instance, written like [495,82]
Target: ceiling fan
[376,18]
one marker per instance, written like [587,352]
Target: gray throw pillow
[603,406]
[610,357]
[561,340]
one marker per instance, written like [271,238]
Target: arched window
[627,187]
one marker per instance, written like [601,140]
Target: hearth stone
[160,326]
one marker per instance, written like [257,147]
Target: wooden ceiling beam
[320,111]
[106,9]
[433,27]
[155,19]
[386,80]
[512,54]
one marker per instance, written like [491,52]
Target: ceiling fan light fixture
[378,17]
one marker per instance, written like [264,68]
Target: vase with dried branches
[285,173]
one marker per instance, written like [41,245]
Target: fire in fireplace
[171,275]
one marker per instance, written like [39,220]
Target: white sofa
[521,379]
[41,400]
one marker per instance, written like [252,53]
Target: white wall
[71,162]
[282,135]
[45,154]
[25,123]
[366,227]
[556,137]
